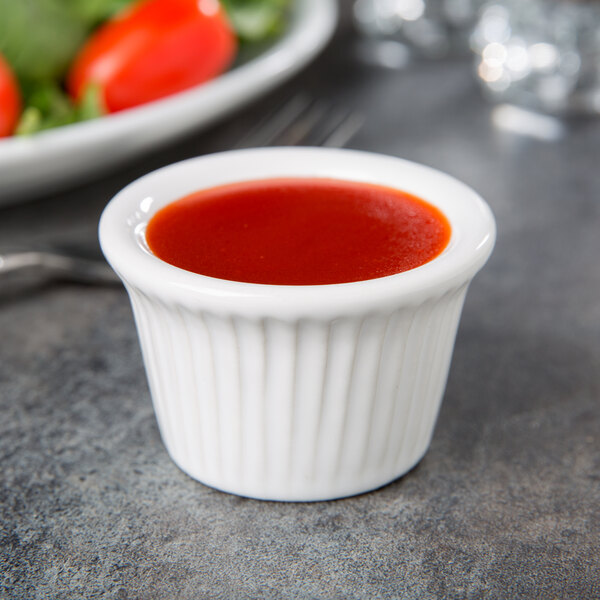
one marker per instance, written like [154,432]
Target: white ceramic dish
[51,159]
[296,392]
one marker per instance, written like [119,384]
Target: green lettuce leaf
[93,12]
[257,20]
[49,106]
[39,37]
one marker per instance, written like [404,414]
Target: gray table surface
[504,505]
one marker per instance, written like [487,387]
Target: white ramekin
[296,392]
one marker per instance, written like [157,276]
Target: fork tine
[345,131]
[302,121]
[270,127]
[322,125]
[298,132]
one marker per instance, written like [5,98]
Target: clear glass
[431,28]
[543,54]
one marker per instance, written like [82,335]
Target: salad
[65,61]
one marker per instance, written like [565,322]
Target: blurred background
[94,83]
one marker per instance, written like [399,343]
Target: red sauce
[298,232]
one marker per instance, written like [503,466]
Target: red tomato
[154,49]
[10,99]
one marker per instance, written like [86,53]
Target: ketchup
[298,232]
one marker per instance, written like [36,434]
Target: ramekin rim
[469,247]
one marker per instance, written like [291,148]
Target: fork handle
[71,268]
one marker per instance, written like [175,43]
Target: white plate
[55,158]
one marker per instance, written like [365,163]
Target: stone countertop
[504,505]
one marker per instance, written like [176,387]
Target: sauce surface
[298,232]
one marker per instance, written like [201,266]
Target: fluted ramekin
[296,392]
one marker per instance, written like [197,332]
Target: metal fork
[299,121]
